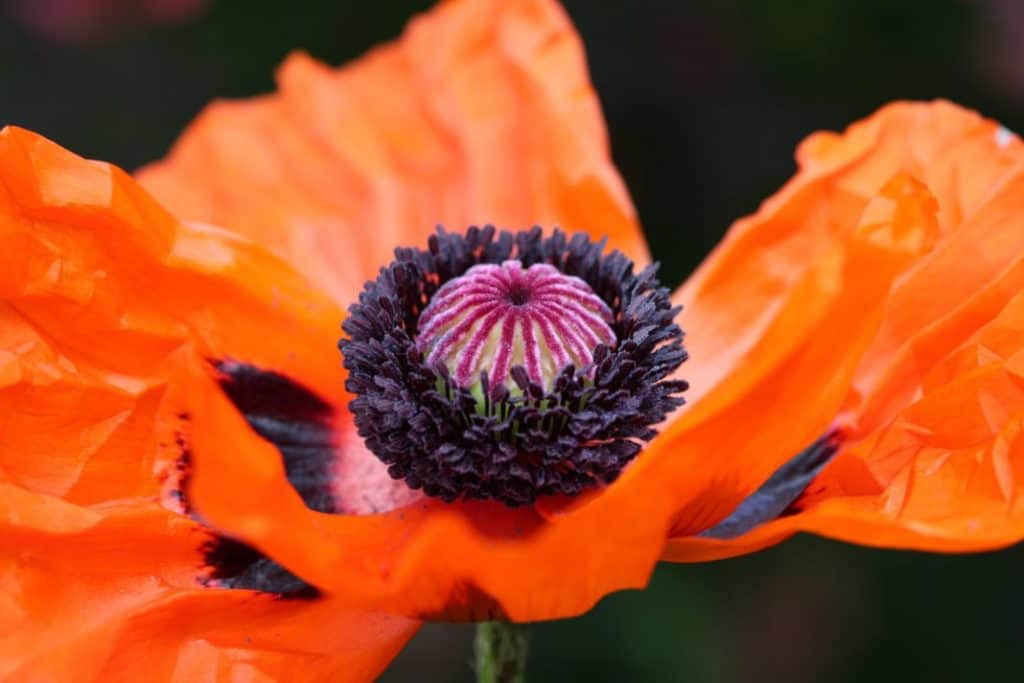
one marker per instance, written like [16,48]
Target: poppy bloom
[188,485]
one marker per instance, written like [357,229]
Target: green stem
[501,650]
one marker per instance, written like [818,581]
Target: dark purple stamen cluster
[581,432]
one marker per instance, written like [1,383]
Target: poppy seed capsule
[496,317]
[510,365]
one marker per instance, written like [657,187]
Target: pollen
[497,317]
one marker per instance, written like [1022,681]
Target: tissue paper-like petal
[928,394]
[107,306]
[481,113]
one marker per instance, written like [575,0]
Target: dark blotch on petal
[291,417]
[779,492]
[236,565]
[300,424]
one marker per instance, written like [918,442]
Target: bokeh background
[705,101]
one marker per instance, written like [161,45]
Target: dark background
[705,102]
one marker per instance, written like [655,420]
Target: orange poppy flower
[184,488]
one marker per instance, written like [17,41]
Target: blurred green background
[705,102]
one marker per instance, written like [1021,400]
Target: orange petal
[106,303]
[237,634]
[461,561]
[119,601]
[945,475]
[104,298]
[918,408]
[794,380]
[739,290]
[481,113]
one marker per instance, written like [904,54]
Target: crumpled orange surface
[877,294]
[107,304]
[933,405]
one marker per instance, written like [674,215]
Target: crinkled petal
[944,475]
[913,411]
[118,601]
[481,113]
[104,297]
[732,440]
[739,290]
[107,306]
[241,635]
[456,561]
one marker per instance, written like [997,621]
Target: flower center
[497,317]
[510,366]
